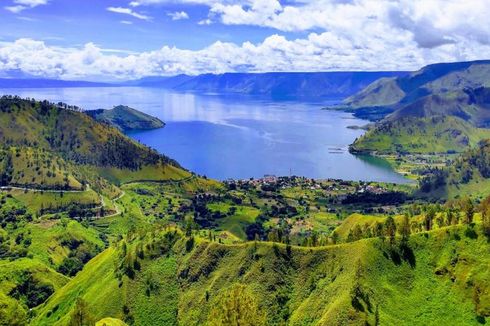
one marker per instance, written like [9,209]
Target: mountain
[440,108]
[207,283]
[432,79]
[275,84]
[47,83]
[423,135]
[96,228]
[68,148]
[126,118]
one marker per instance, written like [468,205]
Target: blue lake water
[235,136]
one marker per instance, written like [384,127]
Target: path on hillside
[103,204]
[43,190]
[101,198]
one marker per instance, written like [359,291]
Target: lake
[225,136]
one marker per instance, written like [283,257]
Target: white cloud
[31,3]
[15,9]
[338,35]
[325,51]
[128,11]
[178,15]
[21,5]
[205,22]
[126,22]
[430,22]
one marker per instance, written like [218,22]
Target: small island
[126,118]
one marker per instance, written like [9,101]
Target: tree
[469,210]
[485,215]
[450,217]
[357,232]
[405,229]
[237,307]
[429,218]
[80,315]
[390,229]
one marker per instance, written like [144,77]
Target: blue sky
[77,22]
[125,39]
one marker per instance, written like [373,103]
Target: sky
[131,39]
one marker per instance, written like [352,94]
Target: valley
[98,228]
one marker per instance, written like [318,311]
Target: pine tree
[405,229]
[390,229]
[80,315]
[469,211]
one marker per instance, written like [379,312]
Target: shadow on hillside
[401,254]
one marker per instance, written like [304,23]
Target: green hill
[467,175]
[432,79]
[435,134]
[98,229]
[440,108]
[70,133]
[57,146]
[126,118]
[267,283]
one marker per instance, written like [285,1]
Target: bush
[70,266]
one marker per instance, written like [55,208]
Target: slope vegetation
[126,118]
[440,108]
[179,281]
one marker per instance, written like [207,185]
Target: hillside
[276,84]
[438,109]
[126,118]
[70,133]
[269,283]
[421,135]
[432,79]
[467,175]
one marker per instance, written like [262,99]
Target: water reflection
[238,137]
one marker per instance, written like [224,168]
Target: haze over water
[236,136]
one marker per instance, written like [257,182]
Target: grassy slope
[306,286]
[96,284]
[79,139]
[356,219]
[384,91]
[236,223]
[419,135]
[11,273]
[37,200]
[157,172]
[34,167]
[47,237]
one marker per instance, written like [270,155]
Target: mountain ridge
[276,84]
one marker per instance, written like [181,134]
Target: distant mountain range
[275,84]
[278,85]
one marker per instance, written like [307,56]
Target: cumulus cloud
[21,5]
[337,35]
[430,22]
[325,51]
[128,11]
[178,15]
